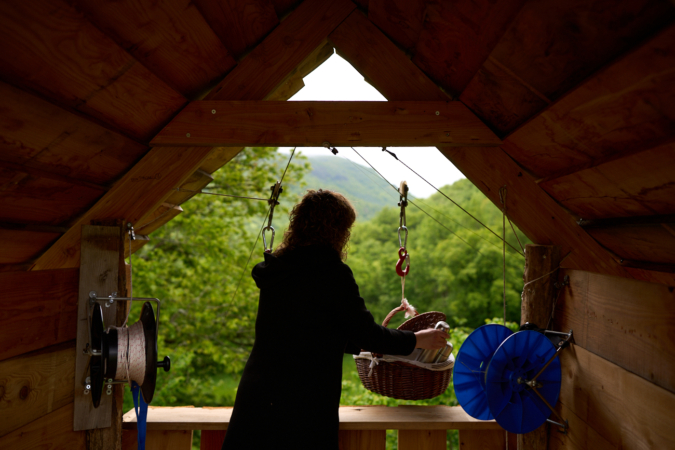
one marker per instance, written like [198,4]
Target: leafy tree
[195,266]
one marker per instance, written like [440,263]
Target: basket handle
[393,312]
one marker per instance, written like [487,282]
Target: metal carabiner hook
[268,250]
[403,257]
[403,244]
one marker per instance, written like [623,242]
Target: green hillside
[366,190]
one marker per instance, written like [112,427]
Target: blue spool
[514,406]
[470,366]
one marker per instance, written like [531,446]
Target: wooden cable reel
[123,355]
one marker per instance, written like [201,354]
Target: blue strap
[142,416]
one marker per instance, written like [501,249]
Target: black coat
[309,314]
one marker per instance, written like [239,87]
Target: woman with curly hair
[310,313]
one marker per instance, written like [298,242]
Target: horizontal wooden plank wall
[624,409]
[35,384]
[50,432]
[37,310]
[618,389]
[374,124]
[627,322]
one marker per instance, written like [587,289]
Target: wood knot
[23,393]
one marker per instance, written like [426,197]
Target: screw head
[108,392]
[213,111]
[438,113]
[187,134]
[86,392]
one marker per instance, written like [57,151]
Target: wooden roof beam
[152,180]
[311,124]
[534,211]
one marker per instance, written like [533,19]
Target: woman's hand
[431,339]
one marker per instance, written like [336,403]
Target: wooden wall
[618,384]
[38,312]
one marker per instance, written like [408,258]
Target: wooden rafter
[152,180]
[488,169]
[226,123]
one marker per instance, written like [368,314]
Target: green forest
[198,266]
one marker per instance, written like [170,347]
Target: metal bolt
[87,380]
[187,134]
[447,134]
[86,392]
[108,392]
[213,111]
[87,387]
[438,113]
[110,380]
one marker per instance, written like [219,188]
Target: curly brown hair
[321,217]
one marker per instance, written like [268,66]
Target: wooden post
[102,269]
[541,262]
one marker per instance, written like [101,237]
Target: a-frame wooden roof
[581,94]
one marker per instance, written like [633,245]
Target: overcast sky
[336,79]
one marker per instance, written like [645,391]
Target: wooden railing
[361,428]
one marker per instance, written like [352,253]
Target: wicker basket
[401,380]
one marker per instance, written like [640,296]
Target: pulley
[123,355]
[513,378]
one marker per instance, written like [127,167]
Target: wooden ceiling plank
[273,60]
[268,123]
[171,38]
[218,157]
[19,246]
[650,243]
[283,7]
[100,79]
[134,197]
[552,46]
[625,109]
[29,200]
[458,37]
[401,20]
[41,173]
[641,184]
[36,133]
[240,25]
[384,65]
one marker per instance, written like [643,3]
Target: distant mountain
[361,185]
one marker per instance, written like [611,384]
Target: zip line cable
[454,202]
[416,206]
[219,195]
[257,238]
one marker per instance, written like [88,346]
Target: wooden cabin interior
[106,107]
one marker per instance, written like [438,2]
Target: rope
[454,202]
[559,265]
[131,354]
[502,199]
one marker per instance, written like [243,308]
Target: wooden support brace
[541,263]
[311,124]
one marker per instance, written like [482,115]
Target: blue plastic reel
[517,408]
[470,367]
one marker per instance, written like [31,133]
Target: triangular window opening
[337,80]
